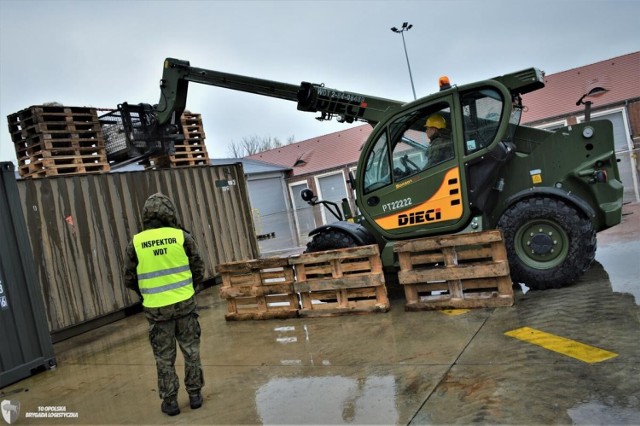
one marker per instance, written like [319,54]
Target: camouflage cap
[160,208]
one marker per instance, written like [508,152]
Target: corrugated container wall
[25,342]
[79,227]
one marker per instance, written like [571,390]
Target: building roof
[251,167]
[619,75]
[319,153]
[131,167]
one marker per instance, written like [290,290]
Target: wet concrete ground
[387,368]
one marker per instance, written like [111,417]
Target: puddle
[328,400]
[596,413]
[620,261]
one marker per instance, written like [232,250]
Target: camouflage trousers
[163,336]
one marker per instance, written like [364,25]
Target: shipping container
[25,342]
[80,225]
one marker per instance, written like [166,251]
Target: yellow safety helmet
[437,121]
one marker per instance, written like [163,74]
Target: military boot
[170,406]
[195,400]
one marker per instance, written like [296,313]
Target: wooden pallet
[70,130]
[340,282]
[455,271]
[42,146]
[63,165]
[50,114]
[258,289]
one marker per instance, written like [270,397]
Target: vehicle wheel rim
[541,244]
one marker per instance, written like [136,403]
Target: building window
[331,187]
[552,126]
[302,212]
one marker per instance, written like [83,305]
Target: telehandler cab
[548,191]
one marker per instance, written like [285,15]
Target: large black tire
[330,240]
[549,243]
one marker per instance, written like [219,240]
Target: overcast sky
[102,53]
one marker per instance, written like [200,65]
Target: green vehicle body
[549,191]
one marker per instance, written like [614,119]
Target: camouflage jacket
[440,149]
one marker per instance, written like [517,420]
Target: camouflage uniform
[440,147]
[174,322]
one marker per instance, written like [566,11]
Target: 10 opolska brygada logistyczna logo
[11,412]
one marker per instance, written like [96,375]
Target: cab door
[412,185]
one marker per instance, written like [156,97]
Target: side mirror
[352,181]
[308,195]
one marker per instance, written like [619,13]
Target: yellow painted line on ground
[562,345]
[453,312]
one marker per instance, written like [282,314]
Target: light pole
[406,27]
[596,91]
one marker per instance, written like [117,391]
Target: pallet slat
[455,272]
[369,280]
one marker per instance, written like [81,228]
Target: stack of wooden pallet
[192,151]
[258,289]
[58,140]
[340,282]
[328,283]
[455,271]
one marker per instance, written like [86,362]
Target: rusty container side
[79,227]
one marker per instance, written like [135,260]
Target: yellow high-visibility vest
[164,276]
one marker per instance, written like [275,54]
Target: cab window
[423,141]
[482,113]
[377,174]
[420,140]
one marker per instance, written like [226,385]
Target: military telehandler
[549,192]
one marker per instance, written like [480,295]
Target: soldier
[440,146]
[163,265]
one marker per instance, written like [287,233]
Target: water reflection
[328,400]
[620,261]
[597,413]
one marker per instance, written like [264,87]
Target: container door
[25,342]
